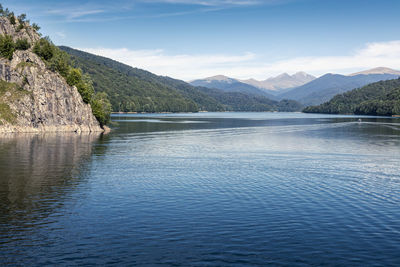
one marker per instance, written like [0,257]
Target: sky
[191,39]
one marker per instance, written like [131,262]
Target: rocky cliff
[35,99]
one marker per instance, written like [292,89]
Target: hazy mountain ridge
[269,87]
[325,87]
[378,70]
[227,84]
[282,81]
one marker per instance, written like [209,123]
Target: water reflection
[205,189]
[38,172]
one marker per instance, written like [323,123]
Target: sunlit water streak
[205,189]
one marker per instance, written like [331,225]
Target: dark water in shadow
[212,189]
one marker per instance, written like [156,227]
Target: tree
[35,27]
[60,63]
[44,48]
[101,108]
[74,76]
[22,18]
[11,17]
[7,46]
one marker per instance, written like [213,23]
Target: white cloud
[249,65]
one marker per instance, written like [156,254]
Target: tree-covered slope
[133,89]
[380,98]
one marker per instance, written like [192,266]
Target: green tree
[35,27]
[60,63]
[7,46]
[101,108]
[44,48]
[22,18]
[11,17]
[74,76]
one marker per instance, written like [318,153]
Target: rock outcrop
[36,99]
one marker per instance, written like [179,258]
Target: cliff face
[35,99]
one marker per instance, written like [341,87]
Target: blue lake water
[205,189]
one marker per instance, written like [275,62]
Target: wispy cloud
[212,2]
[61,35]
[99,11]
[74,13]
[250,65]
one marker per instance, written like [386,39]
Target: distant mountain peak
[378,70]
[219,78]
[282,81]
[280,76]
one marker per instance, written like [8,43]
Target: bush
[20,27]
[60,63]
[44,49]
[74,76]
[22,44]
[101,108]
[86,91]
[7,46]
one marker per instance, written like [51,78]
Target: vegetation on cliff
[380,98]
[55,60]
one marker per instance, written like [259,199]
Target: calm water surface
[207,189]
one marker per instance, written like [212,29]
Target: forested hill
[133,89]
[380,98]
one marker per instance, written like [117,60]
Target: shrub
[7,46]
[44,48]
[20,27]
[74,76]
[101,108]
[22,44]
[60,63]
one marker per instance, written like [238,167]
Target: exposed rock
[37,99]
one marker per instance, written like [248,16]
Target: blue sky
[190,39]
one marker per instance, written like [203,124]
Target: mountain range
[227,84]
[136,90]
[310,90]
[269,87]
[281,82]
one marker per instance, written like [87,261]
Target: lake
[205,189]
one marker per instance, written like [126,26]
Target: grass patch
[7,114]
[22,65]
[10,92]
[16,91]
